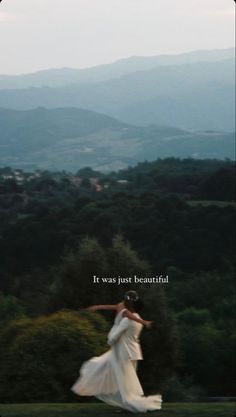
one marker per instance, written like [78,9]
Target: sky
[41,34]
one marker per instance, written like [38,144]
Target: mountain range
[71,138]
[119,114]
[188,91]
[66,76]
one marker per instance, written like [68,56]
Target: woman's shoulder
[120,307]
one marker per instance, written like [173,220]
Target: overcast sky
[39,34]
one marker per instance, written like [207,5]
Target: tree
[124,262]
[160,344]
[207,351]
[74,285]
[40,358]
[10,309]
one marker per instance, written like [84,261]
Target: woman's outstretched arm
[132,316]
[103,307]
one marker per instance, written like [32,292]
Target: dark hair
[132,301]
[131,296]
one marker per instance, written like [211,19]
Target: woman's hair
[131,296]
[132,301]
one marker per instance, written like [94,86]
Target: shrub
[40,358]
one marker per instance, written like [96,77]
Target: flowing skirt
[112,378]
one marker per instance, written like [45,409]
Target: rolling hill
[197,95]
[66,76]
[71,138]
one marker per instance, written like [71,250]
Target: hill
[65,76]
[191,96]
[71,138]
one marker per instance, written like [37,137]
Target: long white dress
[112,376]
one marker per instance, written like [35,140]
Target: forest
[171,217]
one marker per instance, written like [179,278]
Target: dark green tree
[40,358]
[74,286]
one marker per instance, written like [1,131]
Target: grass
[207,203]
[101,410]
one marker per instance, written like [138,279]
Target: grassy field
[207,203]
[100,410]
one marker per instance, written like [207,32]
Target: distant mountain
[208,106]
[70,138]
[66,76]
[193,96]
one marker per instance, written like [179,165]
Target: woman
[112,377]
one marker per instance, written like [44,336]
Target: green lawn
[101,410]
[207,203]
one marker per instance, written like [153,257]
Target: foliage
[54,236]
[74,286]
[160,343]
[184,390]
[203,337]
[40,358]
[10,309]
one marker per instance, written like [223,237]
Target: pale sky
[40,34]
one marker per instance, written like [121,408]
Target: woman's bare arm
[103,307]
[132,316]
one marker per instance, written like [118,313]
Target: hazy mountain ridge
[97,121]
[192,110]
[199,96]
[72,138]
[66,76]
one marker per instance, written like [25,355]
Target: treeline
[192,179]
[55,235]
[189,178]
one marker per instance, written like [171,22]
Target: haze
[44,34]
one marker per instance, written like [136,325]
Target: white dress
[112,376]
